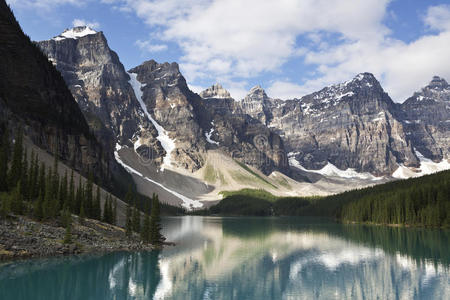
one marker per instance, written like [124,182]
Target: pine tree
[128,222]
[82,215]
[5,205]
[25,176]
[97,211]
[68,223]
[155,222]
[32,177]
[136,218]
[48,199]
[38,210]
[89,197]
[114,212]
[79,198]
[42,180]
[63,194]
[4,153]
[55,203]
[145,231]
[71,195]
[16,164]
[17,200]
[107,210]
[128,218]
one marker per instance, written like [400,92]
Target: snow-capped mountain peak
[75,33]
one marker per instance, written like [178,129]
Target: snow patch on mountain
[163,137]
[209,134]
[333,171]
[75,33]
[188,203]
[427,166]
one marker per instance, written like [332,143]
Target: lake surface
[250,258]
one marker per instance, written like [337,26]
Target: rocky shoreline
[22,237]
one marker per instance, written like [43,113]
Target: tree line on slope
[28,187]
[423,201]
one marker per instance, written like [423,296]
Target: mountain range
[190,147]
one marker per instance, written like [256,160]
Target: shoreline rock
[25,238]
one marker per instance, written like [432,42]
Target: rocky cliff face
[426,117]
[257,105]
[351,125]
[99,83]
[33,94]
[190,125]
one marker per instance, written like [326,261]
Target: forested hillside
[423,201]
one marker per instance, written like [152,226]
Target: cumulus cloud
[238,40]
[148,46]
[44,4]
[81,22]
[438,17]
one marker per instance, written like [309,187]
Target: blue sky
[290,47]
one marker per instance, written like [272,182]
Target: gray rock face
[257,105]
[351,125]
[197,124]
[426,117]
[173,106]
[215,91]
[100,85]
[246,138]
[98,81]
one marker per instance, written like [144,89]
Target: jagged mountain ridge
[354,125]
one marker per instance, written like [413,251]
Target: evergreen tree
[48,208]
[55,203]
[5,205]
[32,177]
[97,211]
[25,176]
[71,195]
[63,193]
[88,204]
[17,200]
[42,180]
[79,198]
[128,222]
[15,172]
[155,222]
[145,231]
[38,210]
[68,223]
[4,154]
[136,218]
[114,212]
[82,213]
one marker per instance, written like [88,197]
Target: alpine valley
[190,147]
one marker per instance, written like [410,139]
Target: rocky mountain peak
[75,33]
[438,83]
[215,91]
[257,93]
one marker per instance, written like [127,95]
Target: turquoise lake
[250,258]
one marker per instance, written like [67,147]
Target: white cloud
[285,90]
[44,4]
[438,17]
[80,22]
[147,46]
